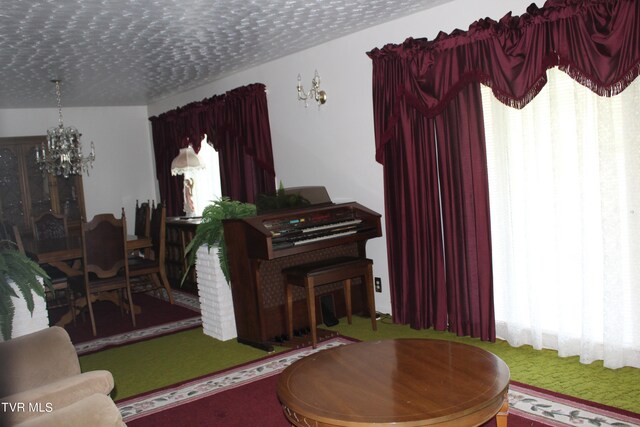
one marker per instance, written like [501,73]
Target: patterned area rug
[237,396]
[151,323]
[554,409]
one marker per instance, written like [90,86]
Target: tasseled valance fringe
[608,91]
[521,102]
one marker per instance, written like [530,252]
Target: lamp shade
[187,160]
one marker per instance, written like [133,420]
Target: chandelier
[62,154]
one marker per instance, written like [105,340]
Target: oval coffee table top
[408,382]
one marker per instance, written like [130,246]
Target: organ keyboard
[259,247]
[309,232]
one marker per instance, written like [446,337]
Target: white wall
[123,170]
[334,145]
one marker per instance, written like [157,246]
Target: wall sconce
[315,93]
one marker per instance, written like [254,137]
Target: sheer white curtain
[564,177]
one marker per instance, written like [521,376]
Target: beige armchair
[41,384]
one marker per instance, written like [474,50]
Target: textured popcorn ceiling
[134,52]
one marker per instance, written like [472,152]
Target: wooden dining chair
[142,219]
[142,226]
[152,266]
[49,225]
[104,262]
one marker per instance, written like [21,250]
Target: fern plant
[279,200]
[16,267]
[210,231]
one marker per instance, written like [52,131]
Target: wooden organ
[260,247]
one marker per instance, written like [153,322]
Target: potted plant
[212,276]
[210,231]
[280,200]
[17,271]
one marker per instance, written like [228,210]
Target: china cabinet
[25,192]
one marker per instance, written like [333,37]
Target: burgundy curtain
[237,125]
[246,161]
[466,222]
[167,142]
[426,91]
[413,225]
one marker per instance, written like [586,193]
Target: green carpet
[163,361]
[166,360]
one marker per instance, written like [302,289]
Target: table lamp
[185,163]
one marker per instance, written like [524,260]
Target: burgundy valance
[230,114]
[248,103]
[596,42]
[237,125]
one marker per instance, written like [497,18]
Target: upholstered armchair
[41,384]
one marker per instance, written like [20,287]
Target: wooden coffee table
[404,382]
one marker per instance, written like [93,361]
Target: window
[564,179]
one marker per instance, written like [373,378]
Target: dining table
[61,252]
[66,255]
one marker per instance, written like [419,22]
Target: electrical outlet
[378,284]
